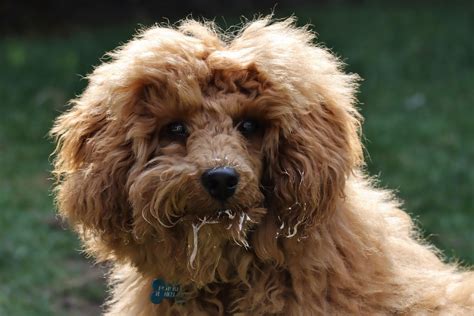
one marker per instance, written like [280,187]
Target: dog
[223,173]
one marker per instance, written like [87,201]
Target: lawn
[417,99]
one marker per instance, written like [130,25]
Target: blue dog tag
[163,290]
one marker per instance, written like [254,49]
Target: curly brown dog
[222,174]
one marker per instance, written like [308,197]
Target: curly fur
[306,233]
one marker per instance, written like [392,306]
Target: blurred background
[417,97]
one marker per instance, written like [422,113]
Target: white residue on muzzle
[295,229]
[196,228]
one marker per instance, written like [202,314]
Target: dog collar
[162,290]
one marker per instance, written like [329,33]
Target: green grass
[417,99]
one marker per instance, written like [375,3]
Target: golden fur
[305,233]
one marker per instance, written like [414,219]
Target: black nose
[220,182]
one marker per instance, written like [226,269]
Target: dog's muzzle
[221,182]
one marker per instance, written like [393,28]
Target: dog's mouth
[235,223]
[232,220]
[236,214]
[225,224]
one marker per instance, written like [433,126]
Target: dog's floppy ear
[312,163]
[91,165]
[314,143]
[306,174]
[101,141]
[307,171]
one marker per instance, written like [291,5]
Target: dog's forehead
[224,91]
[233,105]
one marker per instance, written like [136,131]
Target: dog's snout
[221,183]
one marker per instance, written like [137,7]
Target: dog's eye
[248,127]
[176,130]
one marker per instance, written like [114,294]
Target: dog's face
[203,165]
[183,147]
[207,163]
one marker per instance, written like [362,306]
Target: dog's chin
[208,236]
[232,218]
[224,222]
[186,240]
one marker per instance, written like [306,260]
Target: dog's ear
[306,173]
[313,143]
[103,141]
[91,165]
[312,163]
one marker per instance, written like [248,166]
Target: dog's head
[188,142]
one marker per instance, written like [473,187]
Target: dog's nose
[221,183]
